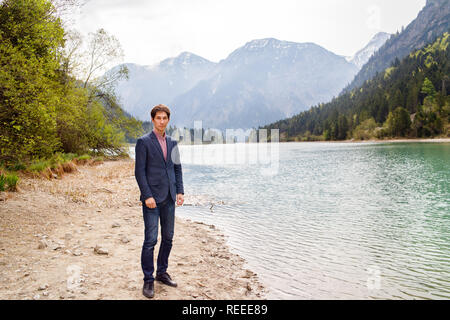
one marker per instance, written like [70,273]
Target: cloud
[151,31]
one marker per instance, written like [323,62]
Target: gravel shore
[80,236]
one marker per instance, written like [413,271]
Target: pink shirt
[162,143]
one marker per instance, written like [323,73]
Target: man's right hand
[150,203]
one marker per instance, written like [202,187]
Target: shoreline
[399,140]
[80,237]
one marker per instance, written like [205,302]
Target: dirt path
[80,237]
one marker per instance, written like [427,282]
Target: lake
[334,220]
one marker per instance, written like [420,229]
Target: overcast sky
[152,30]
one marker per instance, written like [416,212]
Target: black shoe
[165,278]
[148,290]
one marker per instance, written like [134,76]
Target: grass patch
[84,157]
[58,164]
[8,182]
[2,182]
[17,167]
[12,180]
[38,166]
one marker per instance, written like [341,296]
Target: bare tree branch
[64,8]
[104,51]
[71,55]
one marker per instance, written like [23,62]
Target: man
[159,176]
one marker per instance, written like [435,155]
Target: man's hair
[160,107]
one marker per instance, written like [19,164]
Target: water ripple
[339,221]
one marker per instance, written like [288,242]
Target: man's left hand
[180,199]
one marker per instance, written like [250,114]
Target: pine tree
[428,88]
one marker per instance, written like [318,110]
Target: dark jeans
[164,211]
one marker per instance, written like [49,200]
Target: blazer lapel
[157,145]
[169,149]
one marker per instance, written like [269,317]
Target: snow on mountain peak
[258,44]
[362,56]
[183,59]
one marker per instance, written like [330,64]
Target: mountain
[410,98]
[151,85]
[432,21]
[263,80]
[362,56]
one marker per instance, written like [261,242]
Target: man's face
[160,121]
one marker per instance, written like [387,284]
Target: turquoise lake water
[335,220]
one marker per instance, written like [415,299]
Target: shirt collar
[158,135]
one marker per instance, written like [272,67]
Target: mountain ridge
[272,78]
[361,57]
[432,21]
[263,79]
[408,99]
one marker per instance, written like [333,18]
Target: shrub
[366,130]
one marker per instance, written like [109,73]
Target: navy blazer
[155,176]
